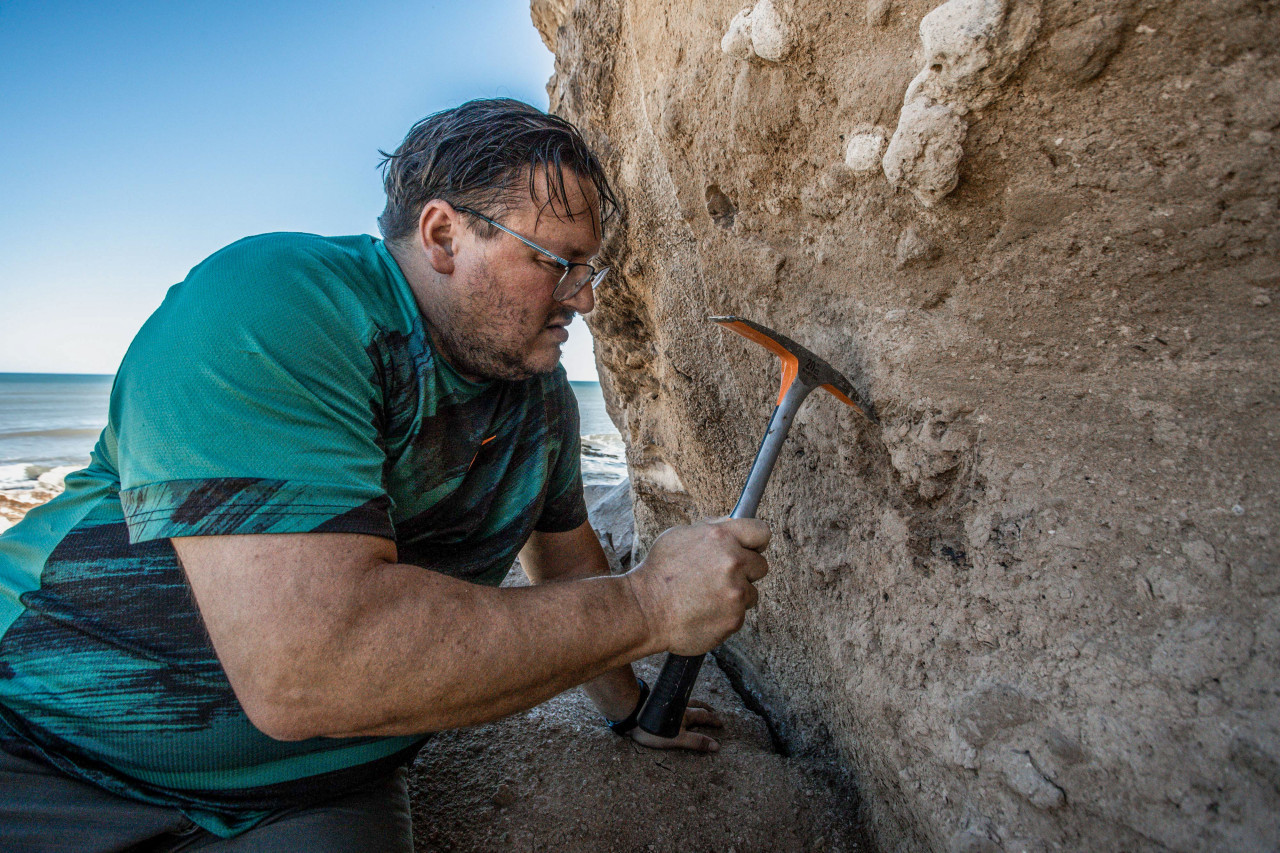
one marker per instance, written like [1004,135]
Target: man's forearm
[383,648]
[326,634]
[614,693]
[535,643]
[577,555]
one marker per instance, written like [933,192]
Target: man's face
[501,320]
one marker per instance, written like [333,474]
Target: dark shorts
[42,809]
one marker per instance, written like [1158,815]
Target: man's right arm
[325,634]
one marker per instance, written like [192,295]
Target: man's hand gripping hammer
[802,371]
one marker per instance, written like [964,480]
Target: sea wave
[24,487]
[604,459]
[25,476]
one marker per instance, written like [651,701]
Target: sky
[136,138]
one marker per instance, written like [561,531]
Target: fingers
[754,566]
[692,741]
[752,533]
[701,714]
[697,742]
[698,713]
[697,582]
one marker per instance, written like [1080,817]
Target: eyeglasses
[576,276]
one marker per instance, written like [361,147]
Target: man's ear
[439,227]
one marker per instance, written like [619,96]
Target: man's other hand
[697,714]
[698,582]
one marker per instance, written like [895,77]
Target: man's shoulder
[285,271]
[294,247]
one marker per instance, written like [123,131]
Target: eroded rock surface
[970,48]
[924,154]
[1036,607]
[758,32]
[609,511]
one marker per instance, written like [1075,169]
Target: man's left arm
[576,554]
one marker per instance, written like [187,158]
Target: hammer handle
[663,713]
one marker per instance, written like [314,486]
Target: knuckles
[711,576]
[722,535]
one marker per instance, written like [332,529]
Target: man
[279,570]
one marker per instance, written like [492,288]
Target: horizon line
[69,373]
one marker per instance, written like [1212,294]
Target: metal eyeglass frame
[566,288]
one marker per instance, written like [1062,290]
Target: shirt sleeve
[248,404]
[565,507]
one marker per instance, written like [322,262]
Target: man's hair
[478,155]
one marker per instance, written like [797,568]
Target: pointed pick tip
[849,396]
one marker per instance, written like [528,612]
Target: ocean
[604,460]
[49,423]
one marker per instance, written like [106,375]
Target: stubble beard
[474,335]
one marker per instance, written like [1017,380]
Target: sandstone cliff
[1036,609]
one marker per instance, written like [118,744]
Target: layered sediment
[1035,608]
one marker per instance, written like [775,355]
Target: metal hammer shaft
[779,425]
[664,712]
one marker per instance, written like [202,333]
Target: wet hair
[480,155]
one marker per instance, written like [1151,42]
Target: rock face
[1036,608]
[609,510]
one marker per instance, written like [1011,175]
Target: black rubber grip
[664,712]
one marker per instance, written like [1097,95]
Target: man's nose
[582,301]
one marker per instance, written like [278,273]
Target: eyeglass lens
[575,278]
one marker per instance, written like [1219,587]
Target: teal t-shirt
[286,386]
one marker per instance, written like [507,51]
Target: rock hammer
[802,371]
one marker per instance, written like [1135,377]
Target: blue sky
[138,137]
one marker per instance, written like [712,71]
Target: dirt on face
[1035,607]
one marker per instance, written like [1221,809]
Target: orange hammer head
[799,363]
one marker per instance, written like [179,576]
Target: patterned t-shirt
[286,386]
